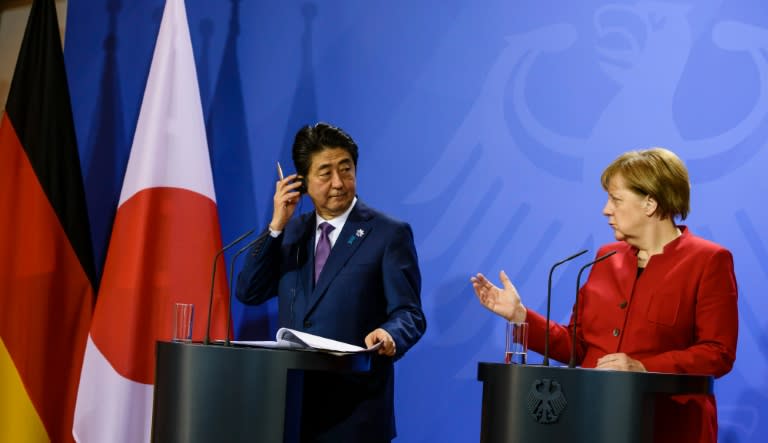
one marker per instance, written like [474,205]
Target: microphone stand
[231,286]
[572,363]
[213,281]
[549,299]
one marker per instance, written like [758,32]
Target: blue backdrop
[484,124]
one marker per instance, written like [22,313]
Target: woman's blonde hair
[657,173]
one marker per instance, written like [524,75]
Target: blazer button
[623,304]
[307,324]
[616,332]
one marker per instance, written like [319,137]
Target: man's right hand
[285,200]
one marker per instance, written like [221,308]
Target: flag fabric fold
[166,232]
[46,265]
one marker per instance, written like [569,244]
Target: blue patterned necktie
[323,248]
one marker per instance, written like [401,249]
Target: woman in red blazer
[665,302]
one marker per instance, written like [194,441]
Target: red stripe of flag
[165,234]
[46,265]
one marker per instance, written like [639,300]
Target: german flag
[46,259]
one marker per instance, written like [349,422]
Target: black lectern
[524,403]
[235,394]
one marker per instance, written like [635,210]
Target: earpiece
[303,188]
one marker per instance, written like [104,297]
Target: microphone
[549,299]
[213,281]
[572,363]
[231,280]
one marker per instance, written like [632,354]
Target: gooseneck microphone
[213,281]
[231,283]
[572,363]
[549,299]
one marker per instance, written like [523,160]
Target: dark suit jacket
[371,280]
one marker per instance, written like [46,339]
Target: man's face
[331,181]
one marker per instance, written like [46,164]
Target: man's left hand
[387,343]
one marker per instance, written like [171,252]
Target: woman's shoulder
[691,241]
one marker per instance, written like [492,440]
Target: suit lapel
[628,274]
[354,232]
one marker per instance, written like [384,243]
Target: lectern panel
[542,403]
[235,394]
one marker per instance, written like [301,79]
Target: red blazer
[679,316]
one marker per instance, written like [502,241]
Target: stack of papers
[291,339]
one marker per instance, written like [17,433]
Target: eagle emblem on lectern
[546,401]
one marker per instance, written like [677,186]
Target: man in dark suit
[344,271]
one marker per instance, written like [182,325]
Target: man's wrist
[274,232]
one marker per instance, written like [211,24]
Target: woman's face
[626,210]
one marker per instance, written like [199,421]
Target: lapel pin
[358,234]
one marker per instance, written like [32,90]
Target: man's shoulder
[365,212]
